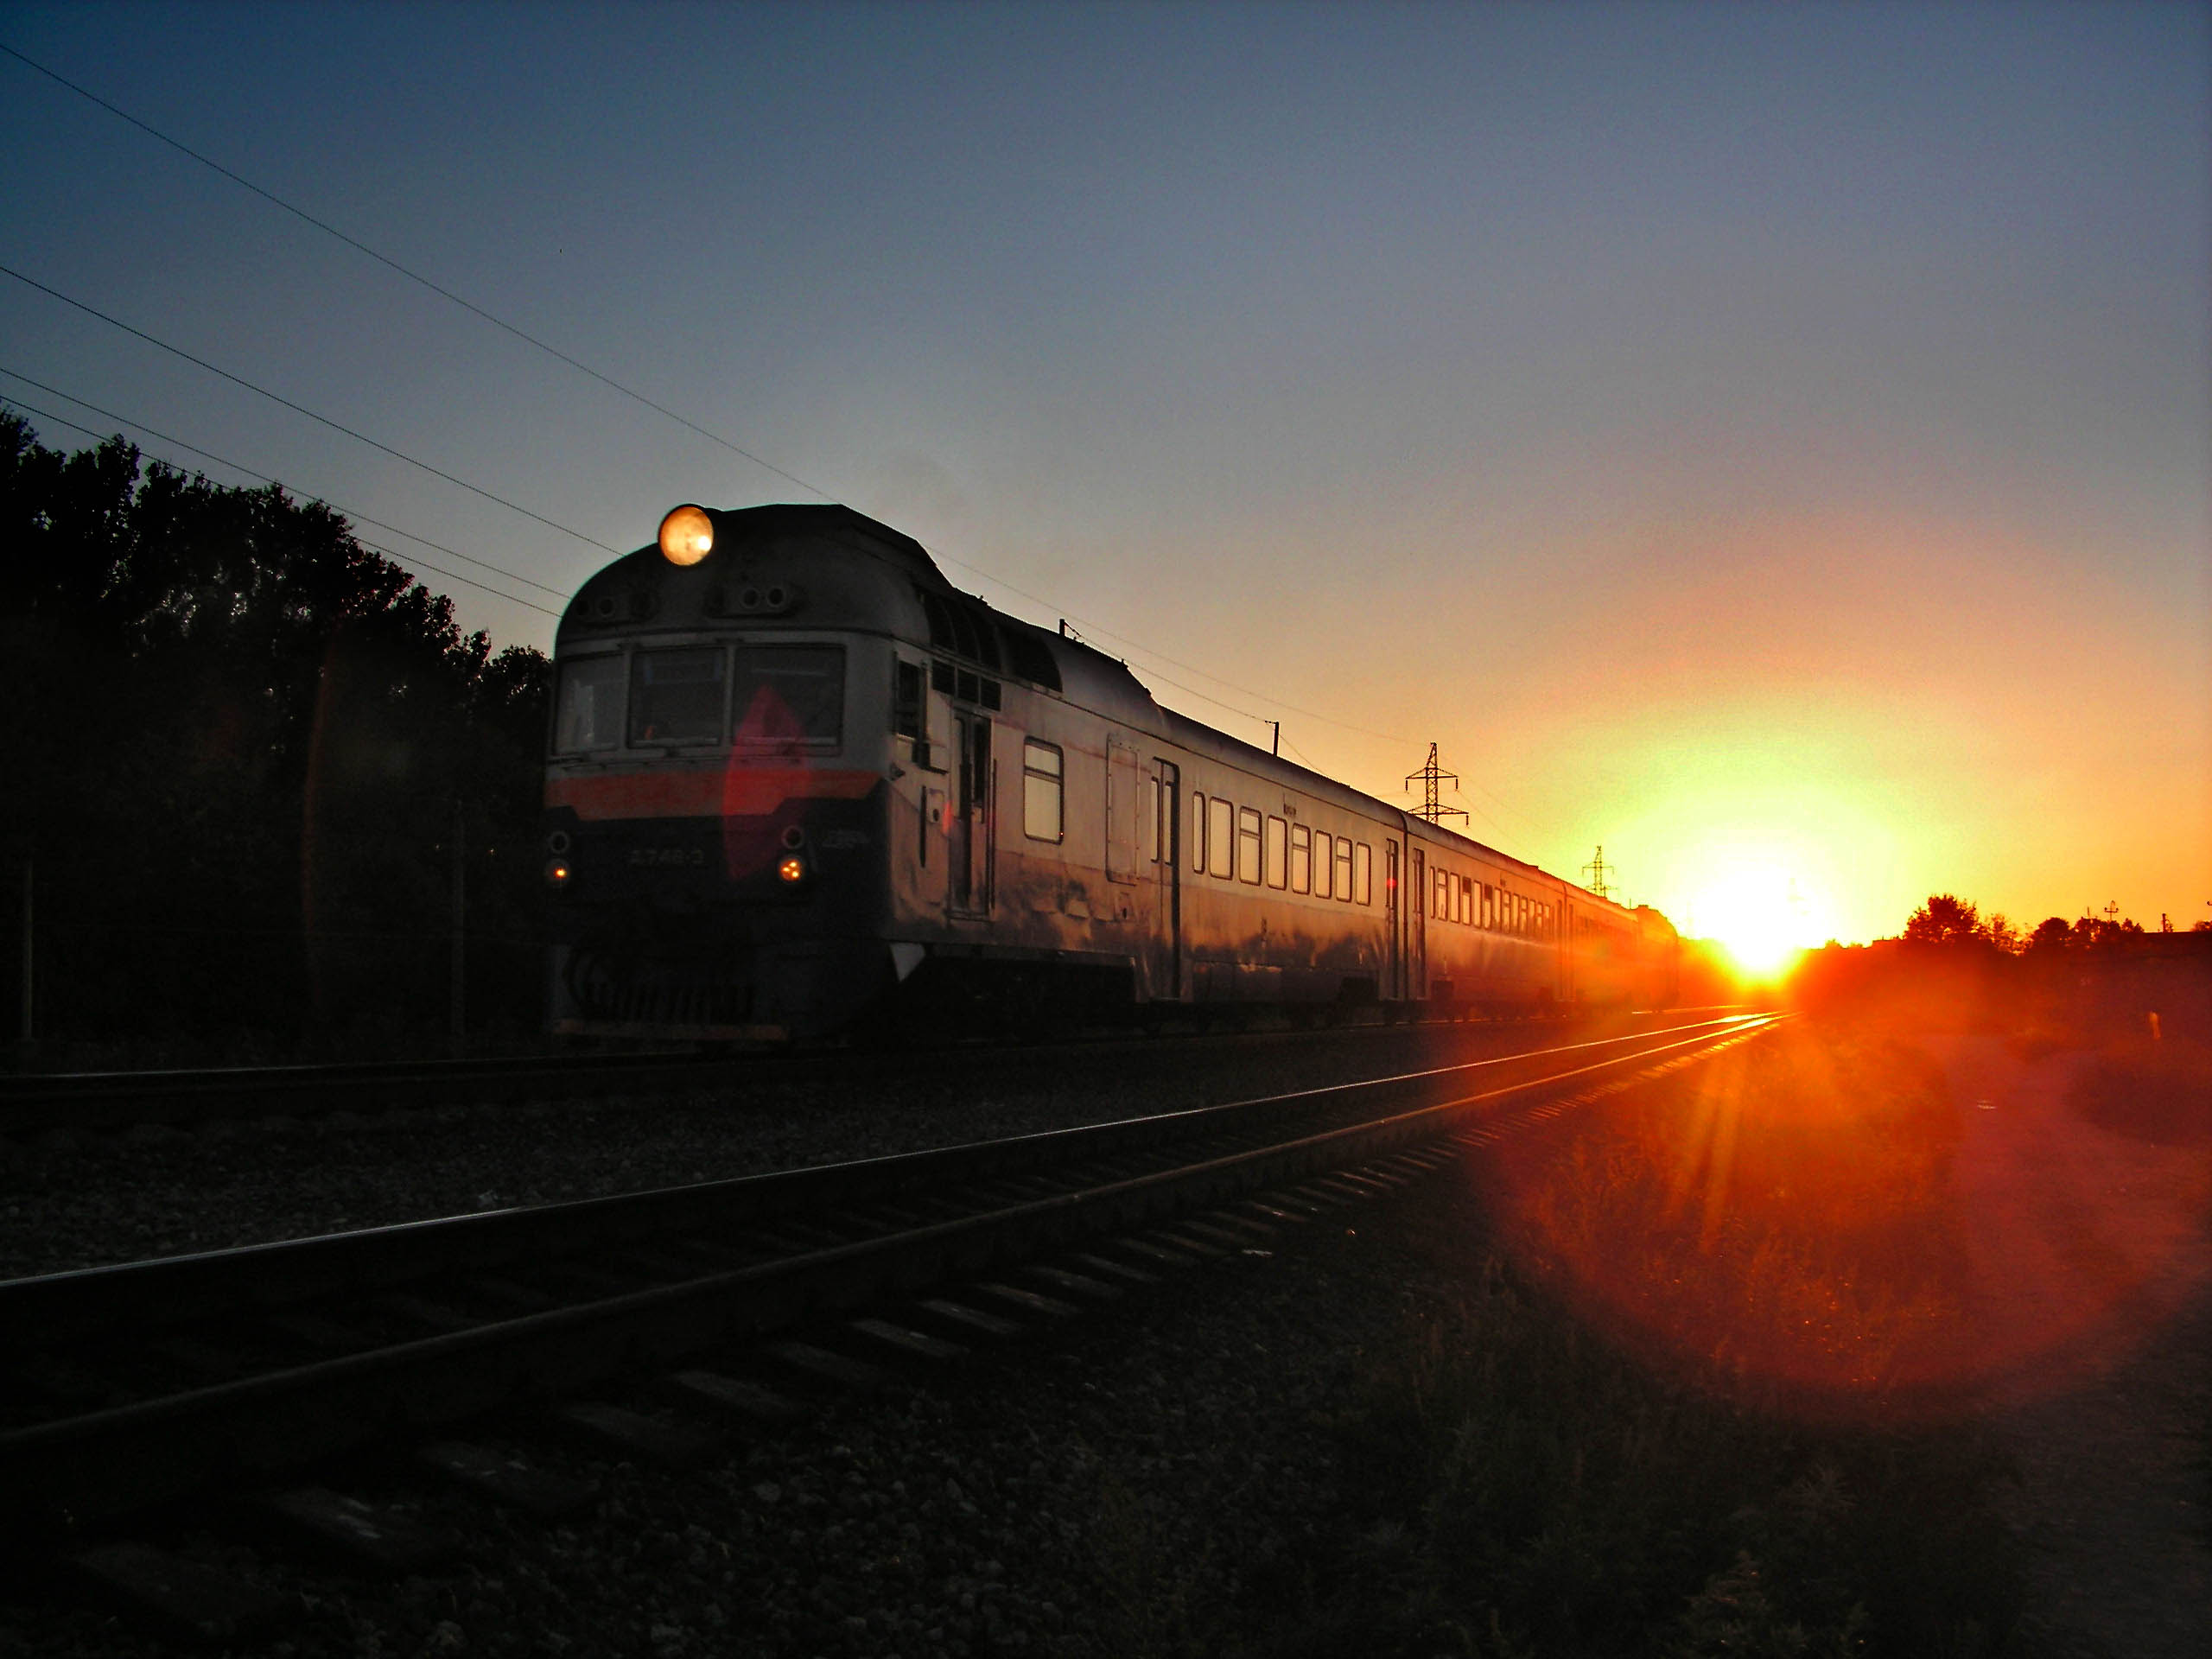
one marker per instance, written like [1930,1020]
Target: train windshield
[790,695]
[590,713]
[676,697]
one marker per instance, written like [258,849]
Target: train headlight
[791,870]
[558,872]
[687,535]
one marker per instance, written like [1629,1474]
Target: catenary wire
[417,276]
[391,553]
[356,517]
[499,322]
[608,381]
[301,409]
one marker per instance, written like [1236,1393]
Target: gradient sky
[1775,443]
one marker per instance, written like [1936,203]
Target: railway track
[35,1103]
[131,1386]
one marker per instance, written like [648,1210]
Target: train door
[968,885]
[1394,970]
[1416,925]
[1167,870]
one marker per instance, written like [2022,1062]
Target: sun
[1756,916]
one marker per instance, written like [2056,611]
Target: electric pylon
[1595,869]
[1429,777]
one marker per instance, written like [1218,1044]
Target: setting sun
[1756,916]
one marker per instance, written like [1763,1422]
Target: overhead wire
[404,559]
[352,514]
[532,341]
[384,259]
[301,408]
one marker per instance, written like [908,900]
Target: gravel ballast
[1125,1488]
[72,1200]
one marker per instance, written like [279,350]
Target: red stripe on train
[739,791]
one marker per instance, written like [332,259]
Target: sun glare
[1756,916]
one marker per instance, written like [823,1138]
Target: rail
[436,1320]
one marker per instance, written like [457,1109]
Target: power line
[396,557]
[355,517]
[301,409]
[417,276]
[608,381]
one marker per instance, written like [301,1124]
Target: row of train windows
[749,695]
[1240,844]
[1456,898]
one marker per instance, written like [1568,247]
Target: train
[799,786]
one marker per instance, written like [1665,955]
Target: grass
[1660,1407]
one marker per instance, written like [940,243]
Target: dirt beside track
[2087,1319]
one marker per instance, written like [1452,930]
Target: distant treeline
[238,739]
[2095,973]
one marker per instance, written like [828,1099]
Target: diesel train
[798,785]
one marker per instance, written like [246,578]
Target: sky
[1774,444]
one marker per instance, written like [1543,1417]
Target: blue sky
[1770,442]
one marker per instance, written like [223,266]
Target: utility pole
[1595,869]
[1275,745]
[457,1007]
[24,1035]
[1429,777]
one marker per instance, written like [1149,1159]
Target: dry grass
[1654,1414]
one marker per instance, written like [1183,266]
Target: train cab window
[1221,837]
[676,697]
[1042,817]
[1301,859]
[1247,844]
[1343,869]
[590,715]
[790,696]
[1363,873]
[910,707]
[1278,852]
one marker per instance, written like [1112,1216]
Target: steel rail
[61,1473]
[171,1290]
[34,1104]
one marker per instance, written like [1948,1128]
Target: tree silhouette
[1944,920]
[229,714]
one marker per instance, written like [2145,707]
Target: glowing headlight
[687,535]
[557,872]
[792,868]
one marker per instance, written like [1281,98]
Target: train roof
[1056,661]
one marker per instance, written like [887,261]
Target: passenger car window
[590,714]
[791,694]
[1363,873]
[1343,869]
[1197,834]
[1247,844]
[1301,859]
[1221,837]
[1042,816]
[1325,867]
[1278,850]
[676,697]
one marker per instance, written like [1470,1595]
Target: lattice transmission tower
[1428,778]
[1595,869]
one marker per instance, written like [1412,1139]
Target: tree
[228,714]
[1944,921]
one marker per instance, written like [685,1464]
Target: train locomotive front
[717,796]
